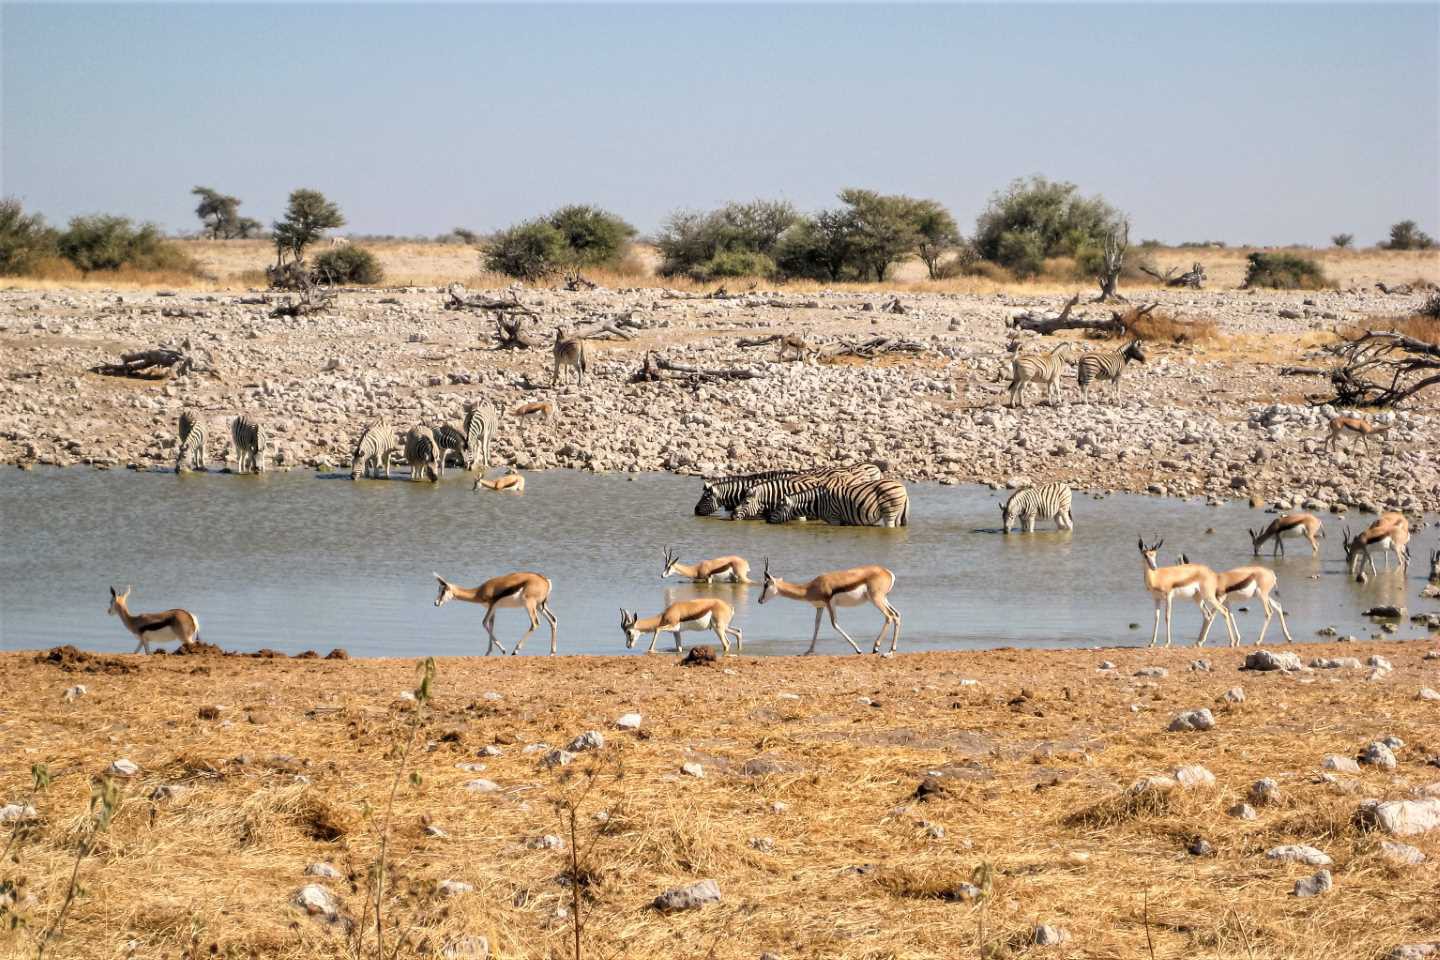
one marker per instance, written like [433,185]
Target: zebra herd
[853,496]
[247,440]
[1044,369]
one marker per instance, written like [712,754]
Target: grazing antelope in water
[706,613]
[1390,531]
[528,590]
[1242,583]
[733,569]
[1356,427]
[569,353]
[1189,580]
[150,628]
[509,482]
[842,588]
[1292,524]
[1041,369]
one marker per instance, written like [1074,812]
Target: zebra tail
[905,514]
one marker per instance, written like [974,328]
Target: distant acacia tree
[1343,240]
[306,219]
[936,234]
[1038,218]
[711,243]
[1407,235]
[220,214]
[24,238]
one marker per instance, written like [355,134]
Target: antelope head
[671,558]
[770,589]
[627,624]
[117,601]
[447,591]
[1255,540]
[1150,553]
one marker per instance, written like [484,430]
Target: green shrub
[1284,271]
[1051,217]
[348,264]
[1343,240]
[593,237]
[527,251]
[1022,251]
[735,263]
[307,216]
[1407,235]
[818,248]
[104,242]
[689,239]
[25,240]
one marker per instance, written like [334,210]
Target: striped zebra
[726,493]
[423,454]
[1107,365]
[247,435]
[480,423]
[761,498]
[872,503]
[190,453]
[374,449]
[569,352]
[1049,501]
[449,437]
[1042,369]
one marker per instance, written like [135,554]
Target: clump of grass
[1285,271]
[1141,800]
[1155,326]
[939,882]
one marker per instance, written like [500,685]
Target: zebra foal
[190,453]
[247,435]
[1049,501]
[423,455]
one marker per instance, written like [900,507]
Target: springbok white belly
[851,598]
[699,623]
[1188,592]
[1384,543]
[163,635]
[514,600]
[1245,593]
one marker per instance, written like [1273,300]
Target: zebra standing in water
[1042,369]
[727,492]
[449,437]
[480,422]
[373,451]
[423,455]
[871,503]
[1050,501]
[1107,366]
[248,437]
[764,497]
[190,454]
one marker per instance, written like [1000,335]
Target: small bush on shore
[110,243]
[1407,235]
[348,265]
[735,263]
[1284,271]
[575,236]
[526,251]
[25,239]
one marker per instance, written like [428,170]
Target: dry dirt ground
[807,815]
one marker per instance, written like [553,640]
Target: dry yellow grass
[1035,761]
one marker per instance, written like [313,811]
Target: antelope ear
[1160,544]
[1140,542]
[112,593]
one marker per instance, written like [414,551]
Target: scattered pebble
[1299,853]
[693,770]
[1201,719]
[692,896]
[1314,886]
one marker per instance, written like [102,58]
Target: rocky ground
[1111,803]
[1211,419]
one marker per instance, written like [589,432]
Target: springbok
[1189,580]
[1390,531]
[1292,524]
[528,590]
[842,588]
[706,613]
[509,482]
[1356,427]
[540,409]
[793,347]
[160,627]
[1242,583]
[733,569]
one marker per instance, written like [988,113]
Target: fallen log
[457,300]
[659,368]
[510,333]
[1194,277]
[146,364]
[1382,369]
[872,348]
[1043,324]
[1303,372]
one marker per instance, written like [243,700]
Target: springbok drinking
[733,569]
[705,613]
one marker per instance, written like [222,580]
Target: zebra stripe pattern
[373,451]
[761,498]
[423,454]
[871,503]
[248,437]
[727,492]
[480,423]
[190,454]
[449,437]
[1108,365]
[1042,369]
[1049,501]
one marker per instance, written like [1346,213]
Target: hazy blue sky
[1267,124]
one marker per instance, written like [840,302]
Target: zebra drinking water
[1107,365]
[450,438]
[870,503]
[480,422]
[190,453]
[1050,501]
[374,449]
[763,497]
[247,435]
[726,493]
[423,454]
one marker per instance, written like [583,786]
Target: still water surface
[296,561]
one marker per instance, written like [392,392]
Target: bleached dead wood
[1194,277]
[1383,369]
[1048,324]
[872,348]
[659,368]
[146,364]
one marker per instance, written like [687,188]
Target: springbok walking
[842,588]
[1242,583]
[148,628]
[706,613]
[734,569]
[1188,580]
[1355,427]
[528,590]
[1291,525]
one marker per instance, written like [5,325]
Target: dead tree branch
[874,347]
[1383,369]
[510,333]
[1194,277]
[1117,244]
[146,365]
[659,368]
[1045,324]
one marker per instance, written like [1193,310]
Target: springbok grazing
[706,613]
[509,482]
[540,409]
[150,628]
[733,569]
[842,588]
[1292,524]
[569,353]
[1042,369]
[528,590]
[1390,531]
[1189,580]
[1355,427]
[1242,583]
[1108,365]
